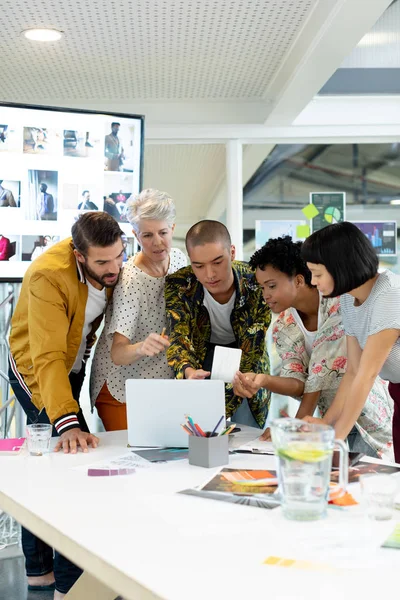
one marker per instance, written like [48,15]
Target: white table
[135,536]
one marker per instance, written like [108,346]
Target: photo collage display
[55,165]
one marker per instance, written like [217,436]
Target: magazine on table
[249,487]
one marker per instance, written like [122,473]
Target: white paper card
[257,446]
[225,364]
[129,460]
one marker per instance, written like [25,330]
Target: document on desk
[125,464]
[249,487]
[256,447]
[226,363]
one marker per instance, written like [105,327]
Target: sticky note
[278,561]
[345,500]
[393,541]
[310,211]
[302,231]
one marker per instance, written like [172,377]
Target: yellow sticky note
[278,561]
[310,211]
[302,231]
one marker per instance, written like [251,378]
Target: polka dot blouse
[136,310]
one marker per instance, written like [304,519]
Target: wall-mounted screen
[381,234]
[265,230]
[55,164]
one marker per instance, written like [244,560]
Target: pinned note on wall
[302,231]
[310,211]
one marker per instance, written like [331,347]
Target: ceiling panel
[147,49]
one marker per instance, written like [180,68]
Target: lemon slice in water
[309,453]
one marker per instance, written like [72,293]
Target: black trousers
[40,558]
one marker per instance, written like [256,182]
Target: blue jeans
[39,557]
[358,444]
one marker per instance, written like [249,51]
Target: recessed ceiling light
[395,201]
[43,35]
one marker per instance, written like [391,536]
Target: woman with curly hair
[310,340]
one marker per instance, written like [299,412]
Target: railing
[11,417]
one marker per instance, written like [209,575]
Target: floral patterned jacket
[324,369]
[190,330]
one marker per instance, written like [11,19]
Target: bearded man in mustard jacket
[62,301]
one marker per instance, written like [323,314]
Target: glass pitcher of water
[304,454]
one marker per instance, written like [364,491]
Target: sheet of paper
[126,461]
[163,454]
[257,446]
[225,363]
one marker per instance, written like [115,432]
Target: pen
[217,425]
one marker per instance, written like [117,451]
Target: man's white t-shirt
[220,318]
[95,305]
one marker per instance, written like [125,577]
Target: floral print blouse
[324,369]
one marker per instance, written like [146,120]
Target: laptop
[157,407]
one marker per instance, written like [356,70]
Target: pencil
[163,332]
[186,428]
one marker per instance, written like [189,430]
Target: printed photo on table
[42,196]
[39,140]
[364,468]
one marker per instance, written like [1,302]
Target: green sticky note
[310,211]
[393,541]
[302,231]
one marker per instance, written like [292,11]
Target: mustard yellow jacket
[46,331]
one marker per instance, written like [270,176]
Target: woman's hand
[125,353]
[266,436]
[154,344]
[246,385]
[315,420]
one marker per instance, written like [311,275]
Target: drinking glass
[378,493]
[304,456]
[38,438]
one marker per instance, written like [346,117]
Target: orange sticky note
[345,500]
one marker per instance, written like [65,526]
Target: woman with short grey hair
[152,205]
[133,342]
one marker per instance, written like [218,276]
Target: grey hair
[152,205]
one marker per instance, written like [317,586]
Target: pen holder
[209,451]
